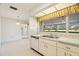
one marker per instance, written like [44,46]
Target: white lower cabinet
[47,49]
[66,50]
[73,54]
[50,48]
[61,52]
[35,44]
[42,49]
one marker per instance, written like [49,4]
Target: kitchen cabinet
[67,50]
[72,54]
[51,50]
[42,49]
[61,52]
[46,48]
[35,43]
[51,47]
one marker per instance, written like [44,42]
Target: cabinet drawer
[68,47]
[62,45]
[74,48]
[63,52]
[73,54]
[51,42]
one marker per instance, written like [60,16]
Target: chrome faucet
[54,35]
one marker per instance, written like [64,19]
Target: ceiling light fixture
[18,23]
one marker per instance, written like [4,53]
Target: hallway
[18,48]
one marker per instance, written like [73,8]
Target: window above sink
[60,25]
[55,25]
[74,23]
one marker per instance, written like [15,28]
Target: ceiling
[25,10]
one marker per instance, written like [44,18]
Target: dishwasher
[35,43]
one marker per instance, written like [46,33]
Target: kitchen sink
[48,36]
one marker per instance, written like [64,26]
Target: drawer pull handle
[70,54]
[65,53]
[67,47]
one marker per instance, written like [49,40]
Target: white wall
[0,30]
[33,26]
[0,35]
[10,31]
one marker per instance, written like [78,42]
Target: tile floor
[17,48]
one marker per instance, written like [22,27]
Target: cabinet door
[50,50]
[34,44]
[46,48]
[42,49]
[61,52]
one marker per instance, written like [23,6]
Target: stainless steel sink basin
[48,36]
